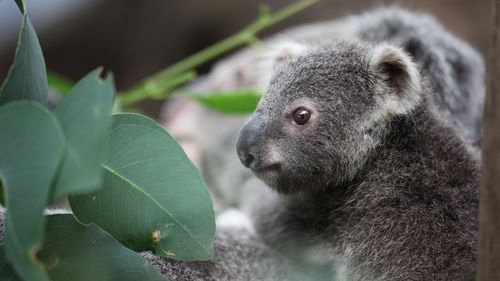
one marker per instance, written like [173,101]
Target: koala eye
[301,115]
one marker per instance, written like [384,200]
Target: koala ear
[399,90]
[274,54]
[279,52]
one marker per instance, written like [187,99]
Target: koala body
[365,167]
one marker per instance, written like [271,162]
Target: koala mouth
[269,174]
[273,168]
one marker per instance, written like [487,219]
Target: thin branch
[156,89]
[246,36]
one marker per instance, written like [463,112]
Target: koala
[365,167]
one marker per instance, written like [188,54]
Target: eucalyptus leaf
[31,146]
[27,78]
[237,102]
[84,115]
[75,252]
[116,107]
[153,197]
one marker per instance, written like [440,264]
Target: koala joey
[366,168]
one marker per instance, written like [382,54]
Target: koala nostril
[246,158]
[249,159]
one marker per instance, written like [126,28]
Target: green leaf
[238,102]
[76,252]
[60,84]
[21,5]
[26,78]
[153,197]
[116,107]
[6,271]
[31,146]
[84,114]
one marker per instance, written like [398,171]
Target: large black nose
[247,144]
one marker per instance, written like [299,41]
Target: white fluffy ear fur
[399,92]
[273,55]
[284,50]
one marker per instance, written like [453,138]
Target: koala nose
[247,143]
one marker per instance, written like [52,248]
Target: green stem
[246,36]
[156,89]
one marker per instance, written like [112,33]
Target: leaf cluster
[130,186]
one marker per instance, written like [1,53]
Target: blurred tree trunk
[488,266]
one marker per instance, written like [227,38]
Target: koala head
[325,109]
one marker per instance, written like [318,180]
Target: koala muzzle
[248,141]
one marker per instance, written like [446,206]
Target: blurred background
[137,38]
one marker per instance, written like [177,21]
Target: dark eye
[301,115]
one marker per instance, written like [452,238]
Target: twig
[246,36]
[156,89]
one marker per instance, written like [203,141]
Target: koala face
[324,110]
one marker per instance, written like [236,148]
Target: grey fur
[406,210]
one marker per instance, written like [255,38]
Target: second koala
[365,169]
